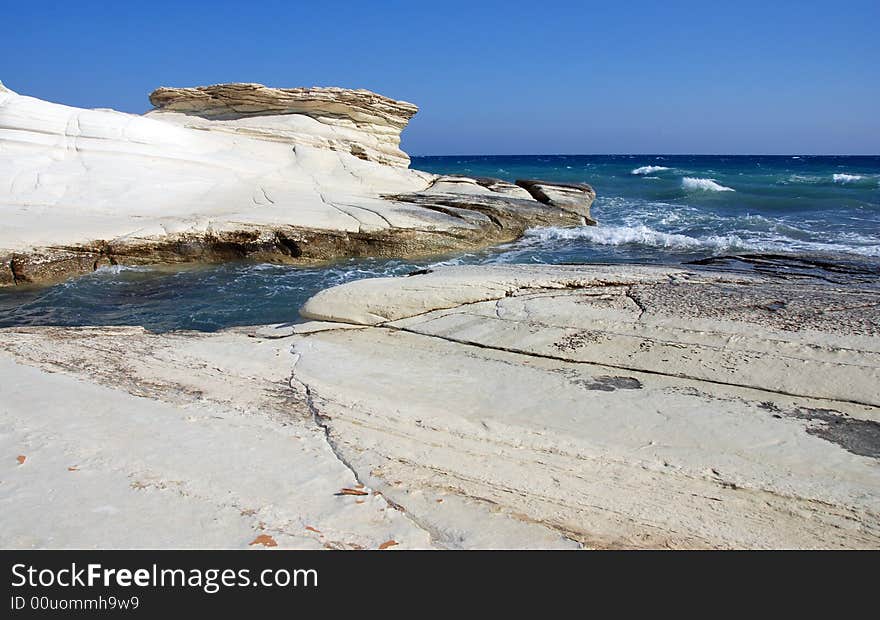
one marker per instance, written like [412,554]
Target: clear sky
[492,77]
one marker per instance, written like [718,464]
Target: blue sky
[492,77]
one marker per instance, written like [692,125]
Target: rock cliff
[360,122]
[233,171]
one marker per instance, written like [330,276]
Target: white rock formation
[215,454]
[359,122]
[576,197]
[71,176]
[511,406]
[228,171]
[625,406]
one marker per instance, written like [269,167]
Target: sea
[666,209]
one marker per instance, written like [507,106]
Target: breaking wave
[641,235]
[778,238]
[847,178]
[648,170]
[708,185]
[840,178]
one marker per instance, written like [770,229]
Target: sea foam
[847,178]
[708,185]
[648,169]
[117,269]
[733,241]
[639,235]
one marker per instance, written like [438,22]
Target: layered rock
[360,122]
[459,184]
[506,406]
[232,171]
[121,455]
[622,406]
[576,197]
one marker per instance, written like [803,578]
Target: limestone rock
[625,406]
[120,453]
[360,122]
[511,406]
[576,197]
[459,184]
[228,172]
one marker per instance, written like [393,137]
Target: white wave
[708,185]
[117,269]
[751,241]
[847,178]
[871,250]
[649,169]
[641,235]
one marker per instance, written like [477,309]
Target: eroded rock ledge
[239,171]
[450,223]
[361,107]
[577,197]
[366,124]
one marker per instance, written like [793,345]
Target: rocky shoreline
[471,407]
[728,403]
[235,171]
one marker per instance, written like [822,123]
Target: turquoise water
[651,208]
[664,208]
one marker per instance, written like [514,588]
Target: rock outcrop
[470,407]
[459,184]
[576,197]
[623,406]
[233,171]
[360,122]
